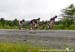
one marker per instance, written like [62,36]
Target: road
[48,38]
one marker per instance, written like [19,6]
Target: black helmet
[55,16]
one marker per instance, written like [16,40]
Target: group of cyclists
[35,23]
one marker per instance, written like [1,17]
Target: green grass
[22,47]
[16,47]
[42,27]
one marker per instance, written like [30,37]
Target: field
[21,47]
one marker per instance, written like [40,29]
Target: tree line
[8,23]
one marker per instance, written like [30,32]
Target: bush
[71,27]
[60,26]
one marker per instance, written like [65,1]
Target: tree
[69,15]
[15,22]
[2,21]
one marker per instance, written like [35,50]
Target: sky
[32,9]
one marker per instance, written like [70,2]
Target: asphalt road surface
[48,38]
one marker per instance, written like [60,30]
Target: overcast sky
[29,9]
